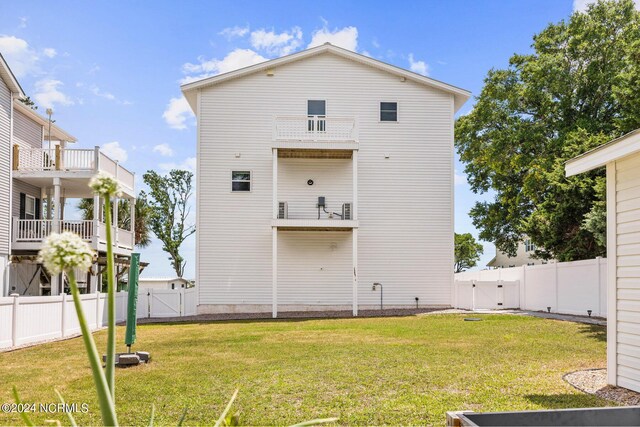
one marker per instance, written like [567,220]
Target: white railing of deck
[78,159]
[315,128]
[83,228]
[36,159]
[125,239]
[36,230]
[107,164]
[31,230]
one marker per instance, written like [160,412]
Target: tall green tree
[169,201]
[142,214]
[577,90]
[467,252]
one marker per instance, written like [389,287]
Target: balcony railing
[315,128]
[68,159]
[36,230]
[304,211]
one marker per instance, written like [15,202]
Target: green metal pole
[134,271]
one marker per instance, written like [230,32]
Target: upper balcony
[38,163]
[300,217]
[326,133]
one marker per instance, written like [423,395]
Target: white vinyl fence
[27,319]
[564,287]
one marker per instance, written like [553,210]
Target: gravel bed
[594,381]
[291,315]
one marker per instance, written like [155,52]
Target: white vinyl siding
[406,225]
[22,187]
[314,268]
[5,167]
[628,272]
[26,132]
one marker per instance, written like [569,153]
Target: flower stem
[111,304]
[107,407]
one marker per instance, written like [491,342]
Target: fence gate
[165,303]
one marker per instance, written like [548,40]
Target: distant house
[163,283]
[524,256]
[319,174]
[40,175]
[622,160]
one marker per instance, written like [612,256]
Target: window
[528,246]
[30,207]
[316,112]
[388,111]
[241,181]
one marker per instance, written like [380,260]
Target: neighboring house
[524,256]
[163,283]
[320,174]
[622,160]
[38,176]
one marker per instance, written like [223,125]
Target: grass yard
[406,370]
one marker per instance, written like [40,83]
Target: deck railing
[69,159]
[36,230]
[314,128]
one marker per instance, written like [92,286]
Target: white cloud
[48,93]
[277,44]
[163,150]
[233,32]
[115,151]
[50,52]
[346,37]
[177,113]
[21,57]
[419,67]
[23,22]
[106,95]
[235,59]
[459,179]
[581,5]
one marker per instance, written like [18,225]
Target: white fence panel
[38,319]
[142,305]
[6,321]
[190,302]
[165,302]
[570,287]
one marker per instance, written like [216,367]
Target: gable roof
[57,133]
[611,151]
[10,80]
[190,89]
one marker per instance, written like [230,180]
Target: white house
[622,160]
[163,283]
[319,174]
[524,256]
[39,175]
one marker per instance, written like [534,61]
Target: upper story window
[240,181]
[528,246]
[30,207]
[388,111]
[316,111]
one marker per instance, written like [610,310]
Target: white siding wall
[628,272]
[406,200]
[26,132]
[314,268]
[22,187]
[5,167]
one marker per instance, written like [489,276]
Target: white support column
[49,211]
[275,182]
[96,219]
[612,276]
[55,278]
[116,202]
[354,165]
[355,271]
[274,270]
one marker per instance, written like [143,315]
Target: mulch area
[594,381]
[387,312]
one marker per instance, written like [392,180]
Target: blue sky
[112,70]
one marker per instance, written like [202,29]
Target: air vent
[346,211]
[283,210]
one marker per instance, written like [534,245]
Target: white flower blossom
[105,185]
[65,251]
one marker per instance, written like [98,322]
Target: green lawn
[406,370]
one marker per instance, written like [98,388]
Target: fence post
[500,297]
[64,314]
[14,321]
[473,295]
[598,259]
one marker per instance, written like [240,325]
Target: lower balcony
[28,234]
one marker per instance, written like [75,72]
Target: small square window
[241,181]
[388,111]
